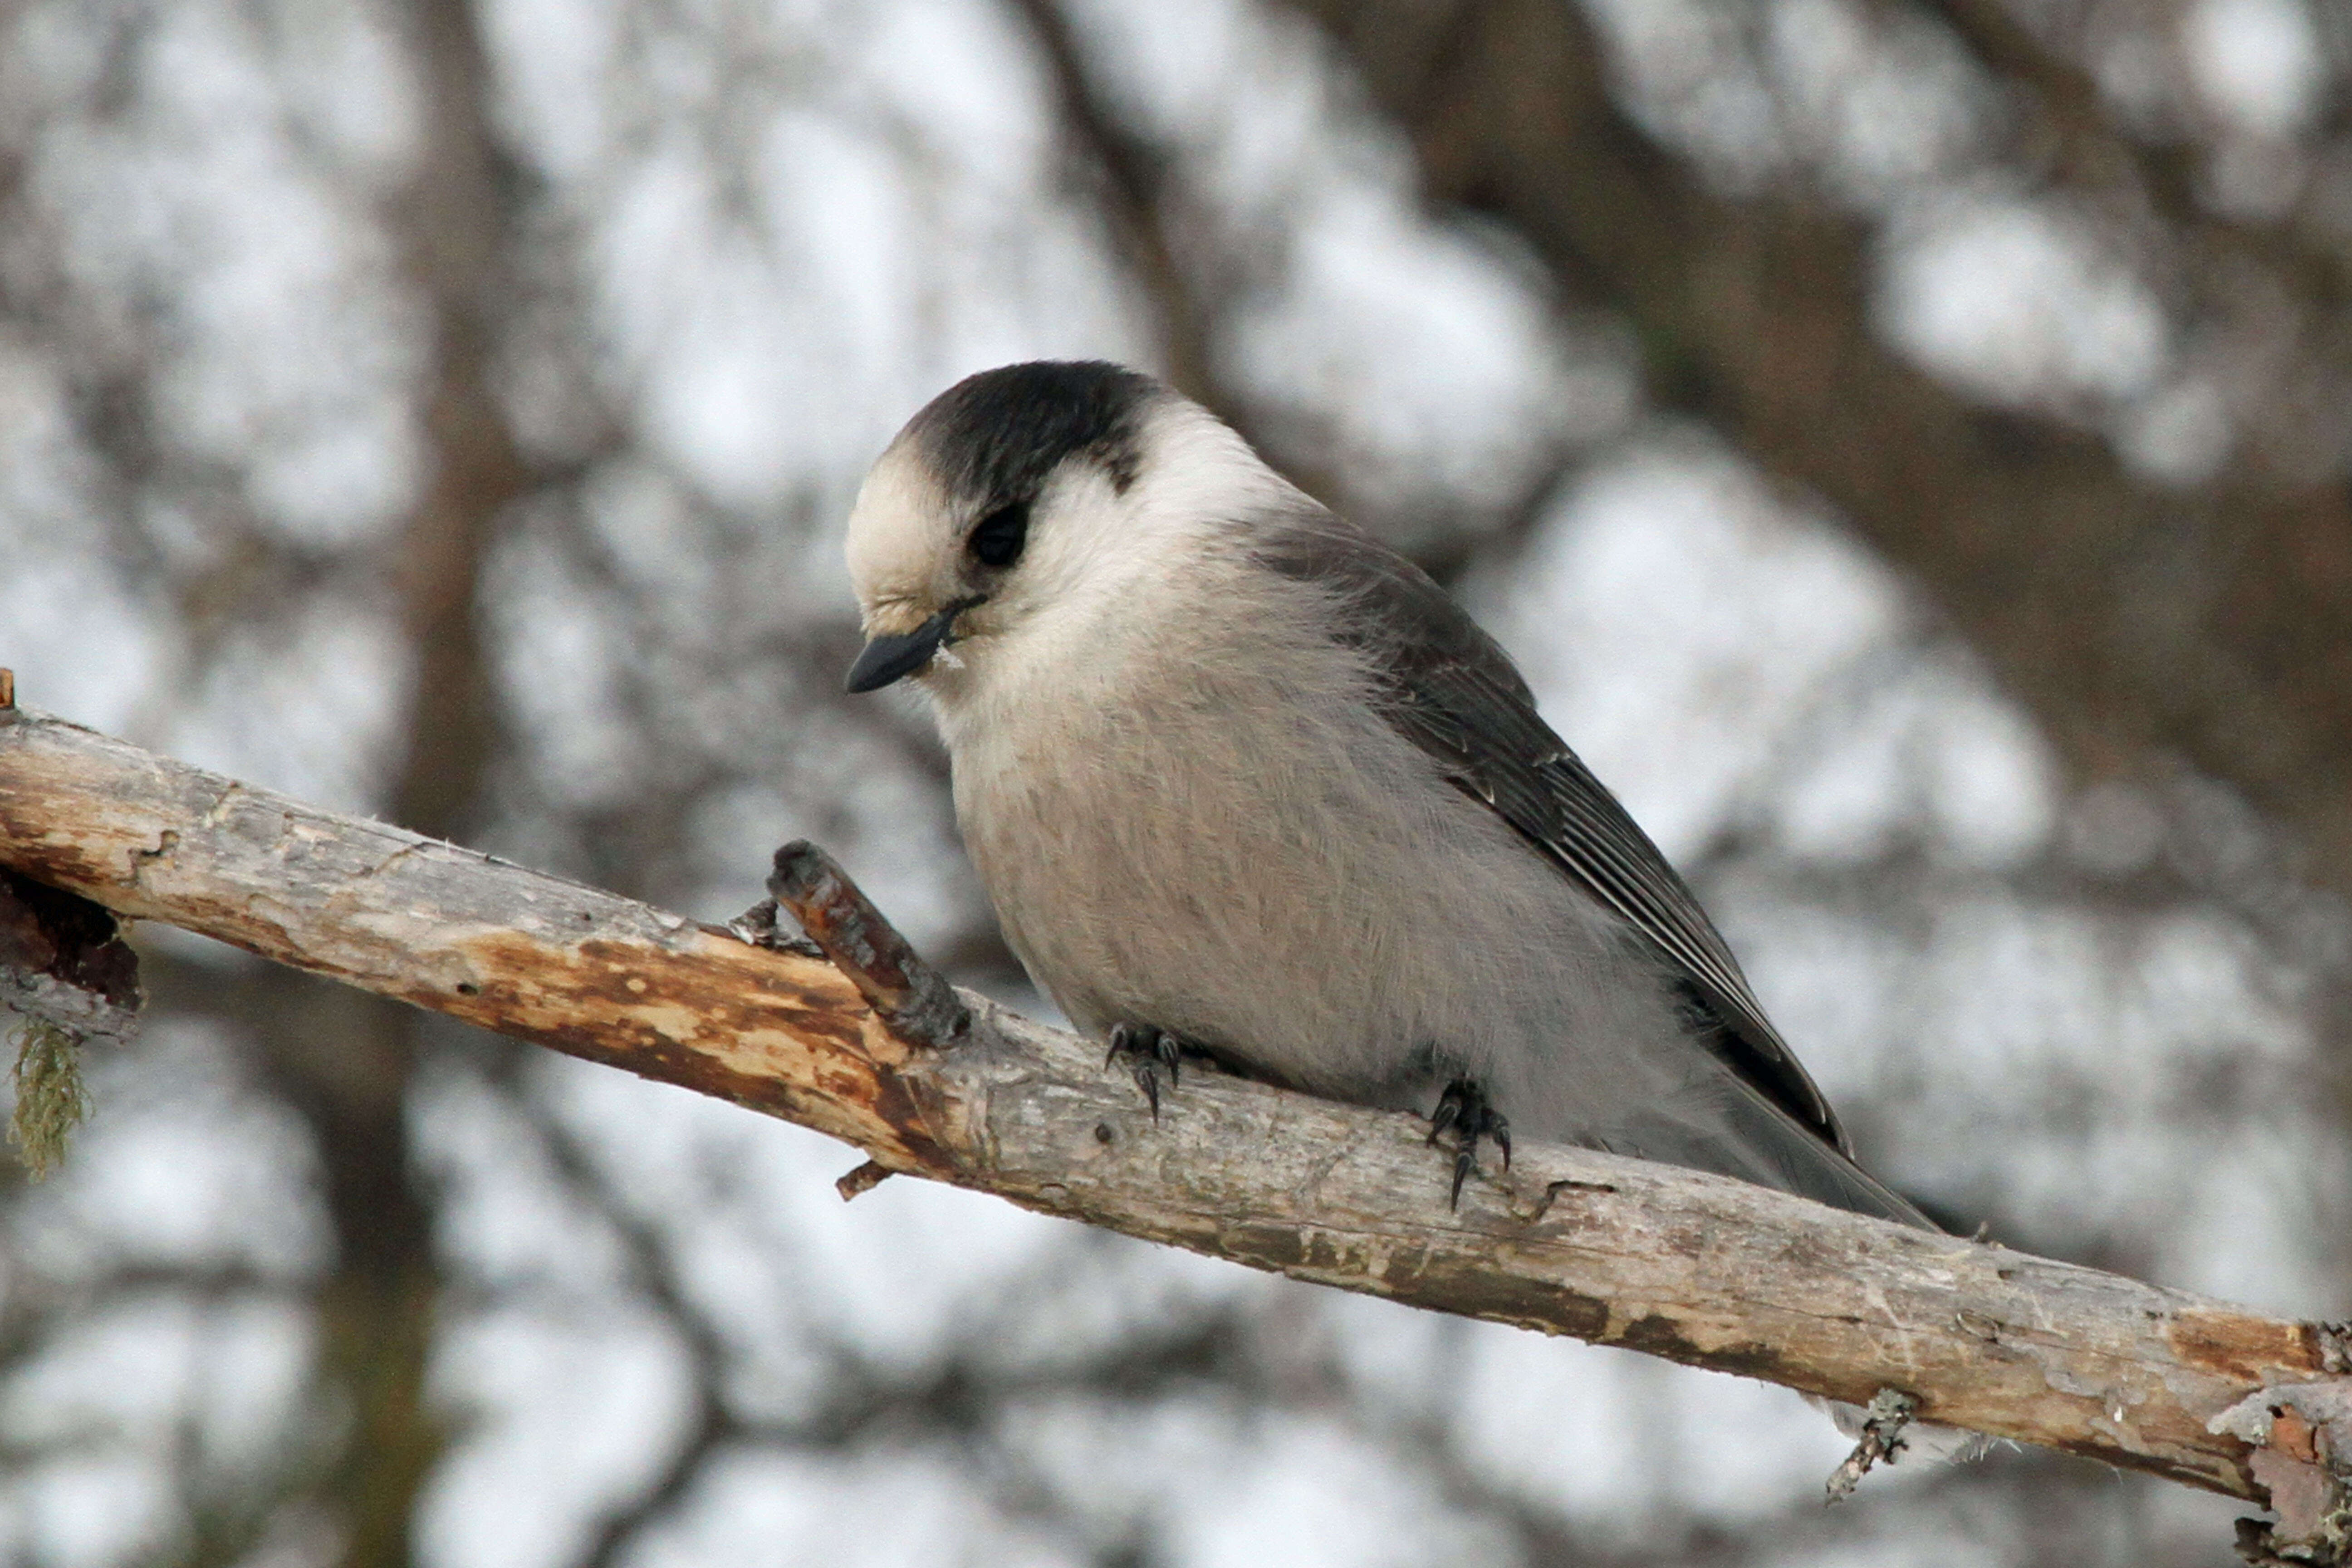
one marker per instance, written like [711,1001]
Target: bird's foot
[1463,1108]
[1147,1051]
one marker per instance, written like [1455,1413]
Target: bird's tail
[1725,1126]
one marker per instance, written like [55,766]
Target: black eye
[996,539]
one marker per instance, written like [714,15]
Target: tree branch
[1691,1268]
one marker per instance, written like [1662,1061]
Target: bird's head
[1030,502]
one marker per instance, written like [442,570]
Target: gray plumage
[1231,768]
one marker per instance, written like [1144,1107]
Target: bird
[1244,783]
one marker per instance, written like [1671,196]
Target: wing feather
[1448,687]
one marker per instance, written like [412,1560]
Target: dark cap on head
[993,437]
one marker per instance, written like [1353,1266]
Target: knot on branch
[68,976]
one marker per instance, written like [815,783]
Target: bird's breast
[1234,844]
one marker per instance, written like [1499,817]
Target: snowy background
[451,414]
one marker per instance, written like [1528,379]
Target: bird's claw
[1147,1051]
[1464,1107]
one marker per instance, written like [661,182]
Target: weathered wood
[1693,1267]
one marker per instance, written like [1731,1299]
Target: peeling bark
[1689,1267]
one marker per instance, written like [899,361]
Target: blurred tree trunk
[2140,624]
[342,1059]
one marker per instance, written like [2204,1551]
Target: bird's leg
[1147,1051]
[1464,1107]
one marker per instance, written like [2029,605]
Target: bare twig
[1689,1267]
[911,996]
[862,1181]
[1881,1438]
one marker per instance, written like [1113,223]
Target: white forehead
[900,530]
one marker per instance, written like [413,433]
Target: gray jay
[1243,781]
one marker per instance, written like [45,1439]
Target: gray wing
[1456,695]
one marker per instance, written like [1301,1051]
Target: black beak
[886,659]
